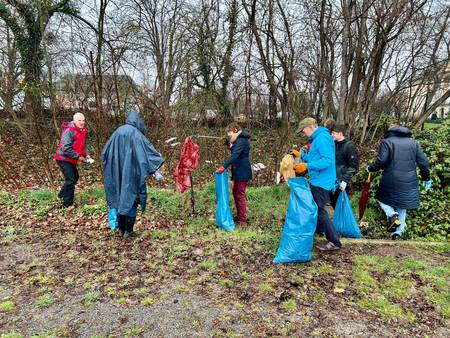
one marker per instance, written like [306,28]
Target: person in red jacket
[71,150]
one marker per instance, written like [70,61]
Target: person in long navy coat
[398,191]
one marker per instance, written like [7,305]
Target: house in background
[430,90]
[77,91]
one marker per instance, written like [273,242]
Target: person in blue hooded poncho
[128,158]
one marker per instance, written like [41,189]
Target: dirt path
[69,277]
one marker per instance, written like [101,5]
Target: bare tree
[9,76]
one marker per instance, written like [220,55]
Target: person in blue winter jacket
[398,191]
[319,161]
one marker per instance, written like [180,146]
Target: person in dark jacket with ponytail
[398,191]
[347,161]
[241,171]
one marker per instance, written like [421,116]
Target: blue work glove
[426,185]
[158,176]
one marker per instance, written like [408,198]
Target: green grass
[167,202]
[7,199]
[42,196]
[380,264]
[94,194]
[431,125]
[180,288]
[296,280]
[289,305]
[398,287]
[226,283]
[90,297]
[439,291]
[7,306]
[364,280]
[147,301]
[45,300]
[258,240]
[439,297]
[410,263]
[320,268]
[379,294]
[319,297]
[10,233]
[209,265]
[265,287]
[385,308]
[141,291]
[52,333]
[11,335]
[160,234]
[93,209]
[268,205]
[134,332]
[40,202]
[40,280]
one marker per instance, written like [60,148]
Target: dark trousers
[334,196]
[71,177]
[240,200]
[324,223]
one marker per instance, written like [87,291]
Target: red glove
[221,170]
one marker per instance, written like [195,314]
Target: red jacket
[72,144]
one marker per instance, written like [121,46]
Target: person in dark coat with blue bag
[241,171]
[398,191]
[128,158]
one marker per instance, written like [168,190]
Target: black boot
[121,221]
[129,227]
[393,223]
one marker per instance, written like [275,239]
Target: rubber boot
[129,227]
[122,222]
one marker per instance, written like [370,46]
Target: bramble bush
[432,220]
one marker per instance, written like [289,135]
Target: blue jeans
[390,211]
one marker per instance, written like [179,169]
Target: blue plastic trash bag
[343,219]
[112,218]
[301,219]
[224,219]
